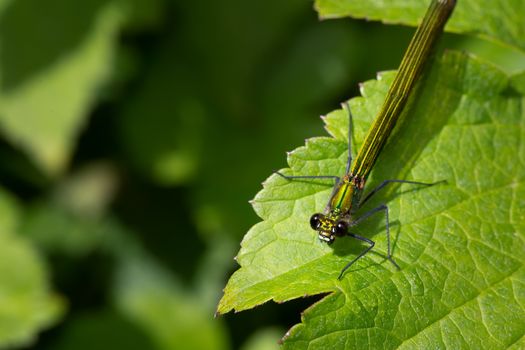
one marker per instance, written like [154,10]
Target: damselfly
[347,196]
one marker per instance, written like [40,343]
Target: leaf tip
[361,88]
[379,75]
[286,335]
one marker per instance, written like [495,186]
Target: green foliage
[134,131]
[152,87]
[264,339]
[52,82]
[145,299]
[460,245]
[27,304]
[501,21]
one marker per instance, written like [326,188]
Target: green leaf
[49,83]
[460,245]
[263,339]
[26,305]
[501,21]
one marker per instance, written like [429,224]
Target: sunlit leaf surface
[501,20]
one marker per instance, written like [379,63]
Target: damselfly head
[323,225]
[323,237]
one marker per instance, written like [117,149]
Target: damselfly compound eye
[340,228]
[315,221]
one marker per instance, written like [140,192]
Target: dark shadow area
[244,324]
[83,330]
[167,229]
[350,247]
[19,174]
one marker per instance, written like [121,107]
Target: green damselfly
[347,195]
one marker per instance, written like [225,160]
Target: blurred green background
[134,132]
